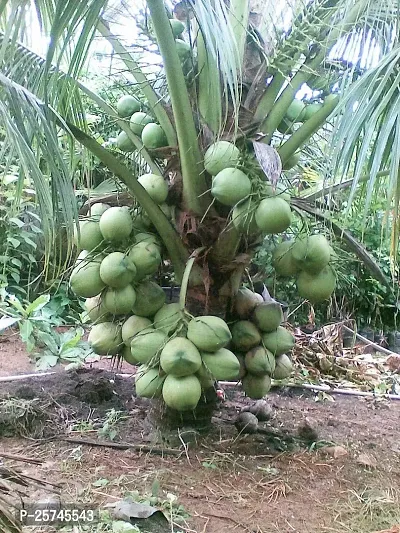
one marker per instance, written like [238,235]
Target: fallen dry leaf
[367,460]
[335,451]
[394,529]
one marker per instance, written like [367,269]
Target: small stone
[365,459]
[335,451]
[261,409]
[246,423]
[308,429]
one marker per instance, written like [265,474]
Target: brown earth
[267,482]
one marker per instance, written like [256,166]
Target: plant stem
[239,19]
[176,250]
[209,91]
[194,184]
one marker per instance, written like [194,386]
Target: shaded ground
[270,482]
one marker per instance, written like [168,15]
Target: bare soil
[267,482]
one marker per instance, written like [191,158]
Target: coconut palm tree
[237,74]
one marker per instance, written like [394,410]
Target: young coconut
[279,341]
[283,367]
[149,383]
[283,261]
[314,252]
[146,344]
[147,237]
[316,287]
[245,335]
[182,394]
[183,49]
[97,209]
[209,333]
[246,301]
[156,187]
[273,215]
[180,357]
[219,156]
[119,301]
[296,111]
[311,109]
[146,257]
[116,224]
[85,280]
[222,364]
[105,338]
[126,355]
[177,27]
[243,217]
[127,105]
[230,186]
[117,270]
[205,377]
[168,317]
[138,121]
[150,297]
[90,237]
[260,361]
[153,136]
[268,316]
[124,143]
[132,326]
[256,387]
[95,310]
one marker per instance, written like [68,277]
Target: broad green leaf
[25,329]
[38,304]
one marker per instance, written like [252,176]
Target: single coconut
[85,280]
[230,186]
[168,317]
[153,136]
[245,335]
[149,383]
[283,261]
[205,377]
[105,338]
[116,224]
[256,387]
[183,49]
[90,236]
[147,237]
[127,105]
[296,111]
[95,310]
[181,393]
[273,215]
[314,252]
[243,217]
[259,361]
[223,364]
[209,333]
[127,356]
[311,109]
[316,287]
[156,187]
[97,209]
[132,326]
[246,301]
[138,121]
[141,221]
[146,344]
[177,27]
[268,316]
[124,143]
[146,257]
[279,341]
[119,301]
[283,367]
[180,357]
[150,297]
[291,161]
[219,156]
[117,270]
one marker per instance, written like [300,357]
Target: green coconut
[156,187]
[124,143]
[273,215]
[268,316]
[296,111]
[291,161]
[116,224]
[147,237]
[243,217]
[311,109]
[146,344]
[283,261]
[183,49]
[95,310]
[177,27]
[223,364]
[149,383]
[90,236]
[150,297]
[259,361]
[132,326]
[153,136]
[205,377]
[314,252]
[246,301]
[119,301]
[256,387]
[283,367]
[141,221]
[285,127]
[168,317]
[97,209]
[279,341]
[245,335]
[85,280]
[127,105]
[180,357]
[105,338]
[138,121]
[181,393]
[316,287]
[209,333]
[127,356]
[117,270]
[219,156]
[146,257]
[242,371]
[230,186]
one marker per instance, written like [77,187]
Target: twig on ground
[122,446]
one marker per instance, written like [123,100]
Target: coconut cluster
[257,207]
[308,259]
[260,342]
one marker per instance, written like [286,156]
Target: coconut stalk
[152,97]
[239,19]
[194,184]
[209,90]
